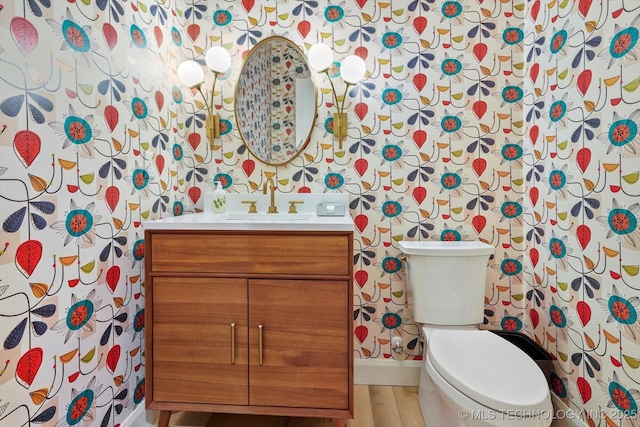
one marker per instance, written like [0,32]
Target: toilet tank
[446,280]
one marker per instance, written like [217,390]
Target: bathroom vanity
[250,314]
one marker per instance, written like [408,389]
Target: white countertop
[237,217]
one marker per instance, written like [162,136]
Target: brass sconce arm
[191,75]
[212,123]
[339,117]
[352,70]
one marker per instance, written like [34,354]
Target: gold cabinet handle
[252,205]
[233,343]
[292,206]
[260,344]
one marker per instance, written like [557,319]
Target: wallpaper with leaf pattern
[514,122]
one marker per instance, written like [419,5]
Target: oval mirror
[275,101]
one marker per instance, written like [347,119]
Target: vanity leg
[163,421]
[338,422]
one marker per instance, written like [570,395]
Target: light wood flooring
[375,406]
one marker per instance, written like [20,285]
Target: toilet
[470,377]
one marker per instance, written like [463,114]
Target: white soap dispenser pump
[219,199]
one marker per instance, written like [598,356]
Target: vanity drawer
[220,252]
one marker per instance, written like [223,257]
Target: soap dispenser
[219,199]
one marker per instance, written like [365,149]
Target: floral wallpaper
[513,122]
[581,201]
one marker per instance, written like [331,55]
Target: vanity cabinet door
[192,340]
[305,332]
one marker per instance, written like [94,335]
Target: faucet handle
[252,205]
[292,206]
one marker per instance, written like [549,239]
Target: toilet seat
[489,370]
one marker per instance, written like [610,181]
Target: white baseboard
[140,417]
[387,372]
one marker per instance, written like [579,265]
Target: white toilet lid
[488,369]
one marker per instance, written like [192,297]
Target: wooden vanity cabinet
[191,346]
[249,322]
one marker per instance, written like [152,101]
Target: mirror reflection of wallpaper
[255,95]
[269,97]
[288,66]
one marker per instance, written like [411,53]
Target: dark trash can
[539,355]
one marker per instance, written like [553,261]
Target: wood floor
[375,406]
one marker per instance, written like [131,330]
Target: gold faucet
[272,190]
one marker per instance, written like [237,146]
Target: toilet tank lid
[489,369]
[446,248]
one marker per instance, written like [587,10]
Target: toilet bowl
[476,378]
[470,377]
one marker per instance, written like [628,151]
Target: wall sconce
[352,70]
[192,76]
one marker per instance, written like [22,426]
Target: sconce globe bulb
[352,69]
[190,73]
[320,57]
[218,59]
